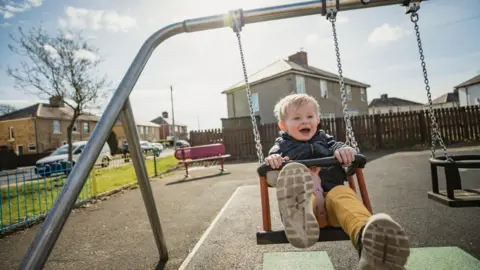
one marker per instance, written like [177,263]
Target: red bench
[200,153]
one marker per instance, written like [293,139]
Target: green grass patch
[109,179]
[21,200]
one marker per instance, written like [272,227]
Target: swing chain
[350,138]
[237,27]
[435,129]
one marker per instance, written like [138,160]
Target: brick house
[294,75]
[42,127]
[146,131]
[166,128]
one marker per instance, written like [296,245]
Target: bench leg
[221,166]
[186,170]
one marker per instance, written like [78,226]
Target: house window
[363,94]
[145,130]
[323,88]
[300,80]
[255,103]
[349,92]
[11,133]
[56,126]
[86,127]
[32,147]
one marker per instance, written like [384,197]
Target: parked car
[146,146]
[181,144]
[58,159]
[158,147]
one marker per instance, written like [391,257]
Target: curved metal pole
[46,238]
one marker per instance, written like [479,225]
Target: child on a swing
[308,201]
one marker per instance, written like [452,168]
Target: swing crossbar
[119,106]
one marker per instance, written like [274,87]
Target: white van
[58,159]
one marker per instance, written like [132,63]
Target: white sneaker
[384,244]
[294,194]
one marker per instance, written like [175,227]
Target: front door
[20,149]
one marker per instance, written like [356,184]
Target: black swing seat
[327,234]
[454,195]
[359,162]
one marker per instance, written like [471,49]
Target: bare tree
[6,109]
[62,66]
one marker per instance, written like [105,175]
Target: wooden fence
[385,131]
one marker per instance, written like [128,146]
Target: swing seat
[454,195]
[268,237]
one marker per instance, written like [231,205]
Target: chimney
[56,101]
[384,96]
[300,58]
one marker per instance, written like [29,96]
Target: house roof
[147,124]
[445,98]
[385,101]
[282,66]
[472,81]
[42,110]
[164,121]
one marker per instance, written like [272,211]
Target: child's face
[300,122]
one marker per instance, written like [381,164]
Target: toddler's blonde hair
[297,100]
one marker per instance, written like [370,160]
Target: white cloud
[385,34]
[35,3]
[50,49]
[68,36]
[12,8]
[96,19]
[8,14]
[84,54]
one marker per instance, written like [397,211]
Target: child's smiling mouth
[305,131]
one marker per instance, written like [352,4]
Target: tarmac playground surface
[210,222]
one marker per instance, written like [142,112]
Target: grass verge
[25,200]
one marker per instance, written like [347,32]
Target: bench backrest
[202,151]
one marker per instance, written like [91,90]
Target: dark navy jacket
[319,146]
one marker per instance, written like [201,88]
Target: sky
[377,45]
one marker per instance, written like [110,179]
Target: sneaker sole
[294,194]
[385,244]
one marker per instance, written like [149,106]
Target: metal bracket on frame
[332,11]
[411,6]
[236,20]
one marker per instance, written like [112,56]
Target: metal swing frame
[119,106]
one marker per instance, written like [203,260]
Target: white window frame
[255,103]
[323,88]
[300,84]
[32,147]
[363,94]
[349,92]
[59,127]
[86,127]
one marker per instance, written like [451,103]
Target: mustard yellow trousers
[345,210]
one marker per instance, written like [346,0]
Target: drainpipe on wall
[35,133]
